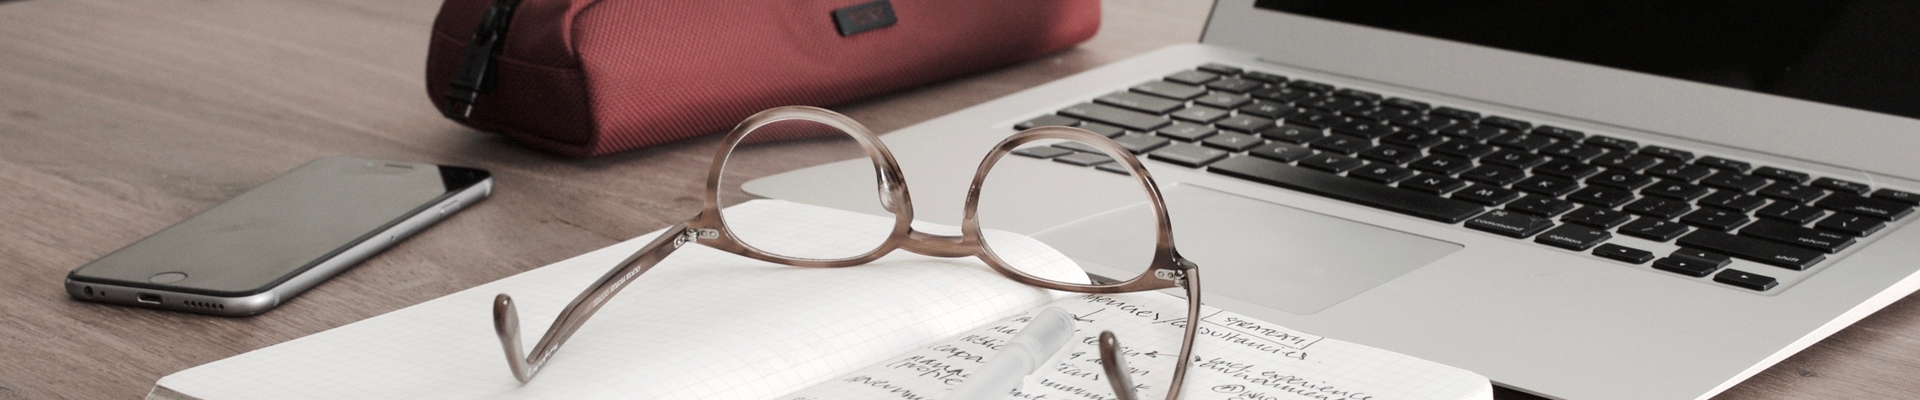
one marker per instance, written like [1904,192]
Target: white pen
[1020,356]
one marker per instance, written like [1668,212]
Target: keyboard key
[1141,143]
[1667,153]
[1746,280]
[1333,104]
[1513,158]
[1717,260]
[1188,155]
[1043,152]
[1623,254]
[1379,114]
[1683,266]
[1339,188]
[1874,207]
[1187,131]
[1405,104]
[1601,196]
[1171,90]
[1115,167]
[1782,175]
[1362,128]
[1546,185]
[1046,120]
[1787,191]
[1084,159]
[1341,144]
[1443,165]
[1620,179]
[1852,224]
[1195,78]
[1315,118]
[1541,206]
[1235,85]
[1381,173]
[1782,232]
[1566,169]
[1611,142]
[1478,132]
[1268,110]
[1200,114]
[1414,139]
[1233,141]
[1734,181]
[1658,208]
[1140,102]
[1521,141]
[1391,154]
[1245,123]
[1558,132]
[1897,196]
[1841,186]
[1487,194]
[1295,134]
[1331,162]
[1223,100]
[1654,229]
[1756,250]
[1132,120]
[1715,219]
[1079,147]
[1263,77]
[1676,190]
[1573,237]
[1573,151]
[1626,161]
[1310,86]
[1597,217]
[1464,148]
[1283,152]
[1679,171]
[1358,94]
[1511,224]
[1431,184]
[1280,94]
[1508,123]
[1455,113]
[1104,129]
[1723,164]
[1427,123]
[1222,69]
[1493,175]
[1798,214]
[1742,203]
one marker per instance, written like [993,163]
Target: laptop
[1592,200]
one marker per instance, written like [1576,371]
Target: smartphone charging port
[147,298]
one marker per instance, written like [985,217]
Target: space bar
[1372,194]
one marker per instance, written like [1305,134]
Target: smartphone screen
[267,236]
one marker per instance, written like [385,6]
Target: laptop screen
[1857,54]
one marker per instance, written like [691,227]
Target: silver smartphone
[251,253]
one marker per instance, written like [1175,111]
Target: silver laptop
[1593,200]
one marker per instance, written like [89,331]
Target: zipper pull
[476,65]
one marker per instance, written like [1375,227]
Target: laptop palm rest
[1276,256]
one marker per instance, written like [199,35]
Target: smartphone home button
[167,277]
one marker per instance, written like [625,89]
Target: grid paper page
[1235,357]
[704,324]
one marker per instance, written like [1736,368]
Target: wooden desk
[118,118]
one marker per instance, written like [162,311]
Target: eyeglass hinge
[691,235]
[1179,277]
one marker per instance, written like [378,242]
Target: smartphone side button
[167,277]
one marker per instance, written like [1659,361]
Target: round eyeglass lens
[855,226]
[1057,197]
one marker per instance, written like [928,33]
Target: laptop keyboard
[1556,186]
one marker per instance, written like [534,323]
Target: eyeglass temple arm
[506,320]
[1115,364]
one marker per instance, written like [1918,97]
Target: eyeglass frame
[1167,269]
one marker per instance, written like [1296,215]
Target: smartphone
[251,253]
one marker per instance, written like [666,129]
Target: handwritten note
[1235,357]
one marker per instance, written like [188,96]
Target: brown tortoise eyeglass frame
[1167,270]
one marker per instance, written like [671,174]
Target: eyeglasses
[1166,270]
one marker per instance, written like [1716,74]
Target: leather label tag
[863,17]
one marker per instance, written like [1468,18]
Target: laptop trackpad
[1281,257]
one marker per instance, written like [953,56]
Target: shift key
[1757,250]
[1132,120]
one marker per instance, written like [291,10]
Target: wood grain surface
[118,118]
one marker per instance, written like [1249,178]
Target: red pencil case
[592,77]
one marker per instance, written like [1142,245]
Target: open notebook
[706,324]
